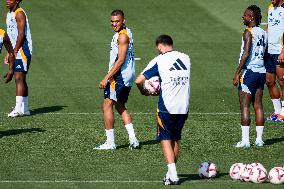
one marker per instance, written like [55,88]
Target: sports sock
[282,108]
[259,132]
[19,101]
[110,135]
[245,134]
[25,104]
[276,105]
[130,130]
[172,171]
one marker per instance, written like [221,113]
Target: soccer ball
[276,175]
[258,174]
[207,170]
[235,170]
[245,173]
[152,85]
[257,165]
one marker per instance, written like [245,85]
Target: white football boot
[106,146]
[14,114]
[242,144]
[258,143]
[133,143]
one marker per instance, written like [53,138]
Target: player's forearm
[140,84]
[242,63]
[114,69]
[19,43]
[11,61]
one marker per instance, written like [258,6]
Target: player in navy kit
[250,75]
[173,69]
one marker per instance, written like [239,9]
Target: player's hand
[281,58]
[103,84]
[156,93]
[236,79]
[9,76]
[6,59]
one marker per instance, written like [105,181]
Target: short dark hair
[256,13]
[117,12]
[165,40]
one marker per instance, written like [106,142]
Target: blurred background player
[5,40]
[173,68]
[19,32]
[250,75]
[274,59]
[118,81]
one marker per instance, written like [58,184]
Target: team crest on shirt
[280,13]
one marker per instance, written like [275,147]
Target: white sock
[245,134]
[110,135]
[259,132]
[19,101]
[25,104]
[282,108]
[172,171]
[276,105]
[130,130]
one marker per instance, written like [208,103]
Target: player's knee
[245,121]
[270,82]
[120,108]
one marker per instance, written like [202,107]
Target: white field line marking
[264,23]
[137,59]
[134,113]
[138,113]
[108,181]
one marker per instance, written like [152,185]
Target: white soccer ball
[207,170]
[153,84]
[245,173]
[257,165]
[235,170]
[276,175]
[258,174]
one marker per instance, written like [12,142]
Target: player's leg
[122,93]
[170,159]
[108,121]
[175,146]
[259,116]
[245,99]
[20,72]
[280,79]
[127,120]
[169,130]
[270,65]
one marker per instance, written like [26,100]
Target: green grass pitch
[53,147]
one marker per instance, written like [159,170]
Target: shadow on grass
[47,109]
[143,143]
[273,141]
[189,177]
[20,131]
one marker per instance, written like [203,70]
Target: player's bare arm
[21,24]
[140,83]
[10,58]
[247,45]
[123,43]
[281,56]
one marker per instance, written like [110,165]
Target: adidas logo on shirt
[18,67]
[178,65]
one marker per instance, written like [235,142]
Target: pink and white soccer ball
[276,175]
[153,84]
[258,174]
[245,172]
[207,170]
[235,170]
